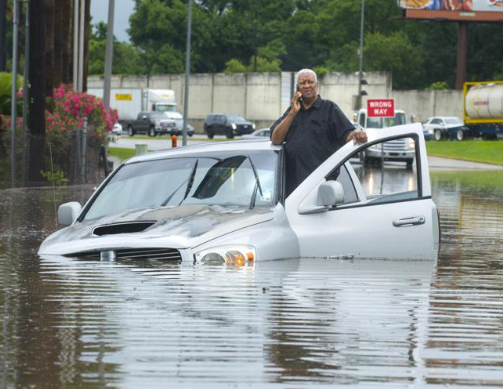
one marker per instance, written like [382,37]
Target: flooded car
[224,202]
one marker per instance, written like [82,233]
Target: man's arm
[279,132]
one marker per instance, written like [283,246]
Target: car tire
[209,133]
[438,134]
[229,133]
[190,134]
[130,130]
[151,131]
[460,135]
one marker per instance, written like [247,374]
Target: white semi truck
[129,102]
[401,150]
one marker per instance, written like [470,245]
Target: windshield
[453,121]
[165,107]
[236,118]
[231,179]
[398,120]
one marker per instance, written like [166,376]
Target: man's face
[307,86]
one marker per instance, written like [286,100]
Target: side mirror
[68,212]
[330,193]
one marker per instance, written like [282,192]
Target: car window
[374,123]
[246,179]
[436,121]
[382,173]
[362,120]
[385,174]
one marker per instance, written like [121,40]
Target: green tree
[126,58]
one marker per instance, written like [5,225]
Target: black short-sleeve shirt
[314,135]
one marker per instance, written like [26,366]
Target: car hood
[185,226]
[173,115]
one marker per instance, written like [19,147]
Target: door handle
[409,221]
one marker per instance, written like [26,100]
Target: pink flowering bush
[69,110]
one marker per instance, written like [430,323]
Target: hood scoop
[122,228]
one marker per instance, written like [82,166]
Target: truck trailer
[483,109]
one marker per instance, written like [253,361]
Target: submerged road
[435,163]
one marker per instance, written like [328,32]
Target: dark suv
[227,124]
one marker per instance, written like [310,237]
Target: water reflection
[295,323]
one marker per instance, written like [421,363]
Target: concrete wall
[424,104]
[263,97]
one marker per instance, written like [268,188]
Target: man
[312,129]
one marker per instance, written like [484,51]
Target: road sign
[381,108]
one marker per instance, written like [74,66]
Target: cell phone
[298,89]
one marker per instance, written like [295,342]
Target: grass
[469,150]
[121,153]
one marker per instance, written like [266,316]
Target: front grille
[150,253]
[163,254]
[396,145]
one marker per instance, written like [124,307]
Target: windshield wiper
[191,181]
[257,185]
[189,185]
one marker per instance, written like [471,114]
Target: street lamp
[361,79]
[187,73]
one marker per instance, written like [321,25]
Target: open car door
[381,208]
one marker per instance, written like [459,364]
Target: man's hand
[358,136]
[295,102]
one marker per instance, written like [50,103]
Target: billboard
[454,10]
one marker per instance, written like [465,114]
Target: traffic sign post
[381,108]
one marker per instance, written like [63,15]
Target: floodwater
[287,324]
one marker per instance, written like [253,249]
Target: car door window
[436,121]
[387,172]
[382,172]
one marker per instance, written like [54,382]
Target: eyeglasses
[307,82]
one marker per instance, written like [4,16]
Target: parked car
[225,203]
[450,127]
[258,134]
[117,129]
[151,123]
[227,124]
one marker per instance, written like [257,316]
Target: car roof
[250,145]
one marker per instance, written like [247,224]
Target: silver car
[225,203]
[451,127]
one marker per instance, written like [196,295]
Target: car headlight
[253,125]
[412,144]
[233,125]
[233,254]
[157,123]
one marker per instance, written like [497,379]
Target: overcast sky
[123,9]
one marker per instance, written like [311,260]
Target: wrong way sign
[381,108]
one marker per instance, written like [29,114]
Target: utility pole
[360,74]
[3,23]
[187,74]
[26,76]
[109,55]
[15,31]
